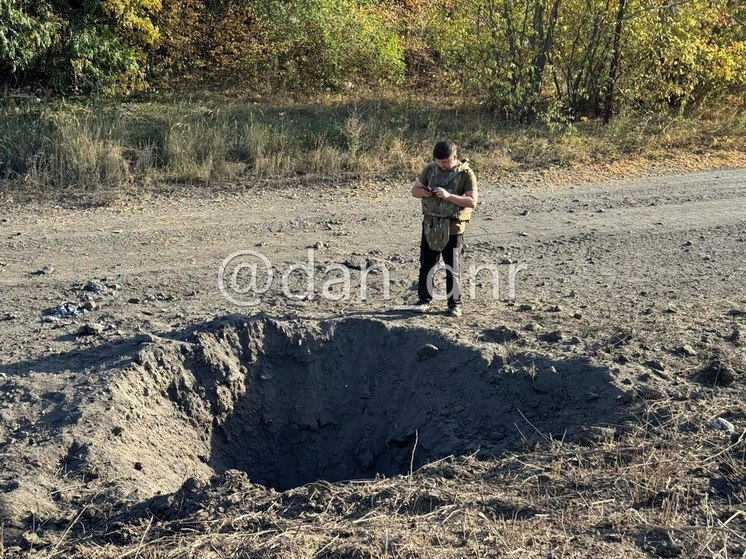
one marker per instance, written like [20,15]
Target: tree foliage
[305,45]
[93,45]
[553,59]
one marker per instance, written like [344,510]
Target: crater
[291,402]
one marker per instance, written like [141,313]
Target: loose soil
[569,412]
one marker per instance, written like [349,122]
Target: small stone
[655,365]
[547,380]
[355,262]
[134,300]
[146,337]
[90,305]
[687,350]
[575,340]
[90,330]
[526,307]
[427,350]
[688,243]
[138,466]
[554,308]
[577,315]
[533,327]
[45,271]
[523,234]
[553,337]
[93,287]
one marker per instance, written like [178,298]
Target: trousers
[451,254]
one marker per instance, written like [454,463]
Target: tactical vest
[439,213]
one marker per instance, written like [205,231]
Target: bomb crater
[291,402]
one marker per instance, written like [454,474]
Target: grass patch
[208,140]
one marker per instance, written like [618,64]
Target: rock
[687,350]
[374,267]
[533,327]
[547,380]
[577,315]
[724,424]
[9,316]
[90,330]
[426,351]
[93,287]
[90,305]
[736,312]
[146,337]
[501,335]
[554,308]
[523,234]
[355,262]
[45,271]
[526,307]
[655,364]
[134,300]
[556,336]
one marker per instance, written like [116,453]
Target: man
[448,190]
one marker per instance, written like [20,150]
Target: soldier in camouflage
[447,188]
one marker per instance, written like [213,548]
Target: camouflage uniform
[443,225]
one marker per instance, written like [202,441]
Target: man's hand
[419,190]
[441,193]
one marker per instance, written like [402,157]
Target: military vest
[439,213]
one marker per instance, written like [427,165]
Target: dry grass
[63,146]
[665,483]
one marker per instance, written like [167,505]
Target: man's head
[445,155]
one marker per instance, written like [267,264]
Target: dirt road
[641,280]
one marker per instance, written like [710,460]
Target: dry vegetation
[64,148]
[633,490]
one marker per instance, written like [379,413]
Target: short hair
[444,149]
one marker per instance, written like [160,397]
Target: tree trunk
[608,109]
